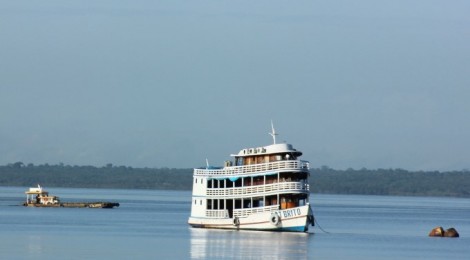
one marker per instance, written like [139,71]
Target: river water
[152,224]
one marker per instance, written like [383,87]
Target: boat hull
[104,205]
[295,219]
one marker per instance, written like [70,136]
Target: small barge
[37,197]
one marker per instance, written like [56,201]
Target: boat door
[229,207]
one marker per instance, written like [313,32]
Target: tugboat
[263,188]
[37,197]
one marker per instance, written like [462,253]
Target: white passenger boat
[264,188]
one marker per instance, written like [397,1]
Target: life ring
[236,221]
[274,219]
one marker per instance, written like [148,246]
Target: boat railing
[258,189]
[255,168]
[214,213]
[249,211]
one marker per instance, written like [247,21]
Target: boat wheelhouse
[263,188]
[38,196]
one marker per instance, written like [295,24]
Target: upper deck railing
[255,168]
[258,189]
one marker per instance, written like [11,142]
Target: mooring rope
[318,225]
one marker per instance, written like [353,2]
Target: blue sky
[375,84]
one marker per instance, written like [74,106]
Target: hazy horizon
[352,84]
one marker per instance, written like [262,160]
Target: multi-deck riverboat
[263,188]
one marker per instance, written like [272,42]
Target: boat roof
[37,190]
[274,148]
[270,149]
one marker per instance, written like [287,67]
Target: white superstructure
[264,188]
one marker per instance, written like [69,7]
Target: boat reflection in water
[217,244]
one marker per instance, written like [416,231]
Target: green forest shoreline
[323,180]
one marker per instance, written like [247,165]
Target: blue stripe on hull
[295,229]
[286,229]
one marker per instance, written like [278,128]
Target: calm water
[153,224]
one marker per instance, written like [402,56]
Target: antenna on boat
[207,163]
[273,133]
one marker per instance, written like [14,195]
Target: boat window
[196,180]
[239,161]
[246,203]
[258,202]
[238,204]
[238,183]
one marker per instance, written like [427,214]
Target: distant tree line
[390,182]
[108,176]
[322,180]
